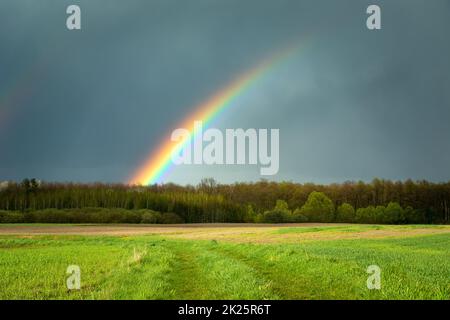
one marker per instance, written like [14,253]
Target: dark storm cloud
[354,104]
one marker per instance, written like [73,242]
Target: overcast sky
[353,104]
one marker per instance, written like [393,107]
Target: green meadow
[170,266]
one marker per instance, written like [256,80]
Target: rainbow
[160,162]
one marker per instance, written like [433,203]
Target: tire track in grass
[201,273]
[259,268]
[186,278]
[291,277]
[239,279]
[143,274]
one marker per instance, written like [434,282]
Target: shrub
[345,213]
[259,218]
[394,213]
[170,218]
[11,217]
[282,205]
[298,216]
[49,216]
[365,215]
[279,214]
[274,216]
[151,217]
[414,216]
[250,215]
[318,208]
[85,215]
[379,215]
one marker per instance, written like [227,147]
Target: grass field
[225,262]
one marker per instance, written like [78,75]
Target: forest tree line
[380,201]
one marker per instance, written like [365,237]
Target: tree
[380,215]
[208,185]
[150,217]
[318,208]
[280,213]
[250,214]
[274,216]
[259,218]
[282,205]
[212,202]
[365,215]
[345,213]
[394,213]
[414,216]
[298,216]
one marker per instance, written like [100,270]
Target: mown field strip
[162,267]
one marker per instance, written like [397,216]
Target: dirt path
[239,233]
[139,229]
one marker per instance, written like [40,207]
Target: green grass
[154,267]
[352,228]
[356,228]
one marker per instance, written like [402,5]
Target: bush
[274,216]
[365,215]
[50,216]
[282,205]
[259,218]
[345,213]
[104,215]
[151,217]
[379,215]
[318,208]
[88,215]
[170,218]
[11,217]
[279,214]
[298,216]
[414,216]
[394,213]
[250,215]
